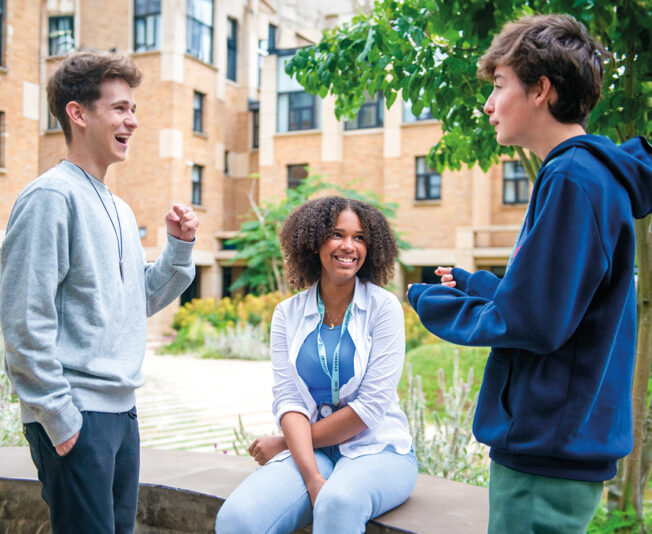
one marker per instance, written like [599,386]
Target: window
[226,162]
[255,128]
[2,31]
[232,49]
[147,25]
[61,37]
[2,139]
[428,181]
[301,111]
[271,38]
[197,171]
[297,110]
[53,122]
[227,280]
[408,116]
[265,48]
[199,29]
[515,183]
[142,232]
[370,114]
[296,174]
[198,112]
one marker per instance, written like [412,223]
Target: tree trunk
[636,467]
[530,161]
[633,472]
[638,476]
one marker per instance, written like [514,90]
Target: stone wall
[181,492]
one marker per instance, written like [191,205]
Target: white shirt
[377,329]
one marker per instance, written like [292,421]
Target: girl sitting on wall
[337,348]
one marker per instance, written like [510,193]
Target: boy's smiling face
[111,122]
[510,108]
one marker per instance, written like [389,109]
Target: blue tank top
[310,370]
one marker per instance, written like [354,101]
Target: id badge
[325,410]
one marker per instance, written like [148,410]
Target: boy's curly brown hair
[310,225]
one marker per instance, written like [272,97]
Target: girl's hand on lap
[265,448]
[314,487]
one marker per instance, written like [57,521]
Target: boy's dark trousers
[93,488]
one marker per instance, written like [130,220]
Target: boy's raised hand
[182,222]
[446,276]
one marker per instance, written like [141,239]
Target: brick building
[215,106]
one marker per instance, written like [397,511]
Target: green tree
[427,51]
[257,241]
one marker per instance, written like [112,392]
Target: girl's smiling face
[343,254]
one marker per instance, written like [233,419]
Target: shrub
[415,333]
[242,341]
[449,450]
[11,429]
[202,320]
[426,361]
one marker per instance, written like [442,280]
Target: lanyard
[335,376]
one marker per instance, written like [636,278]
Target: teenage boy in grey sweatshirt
[75,294]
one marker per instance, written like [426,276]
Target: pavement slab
[190,403]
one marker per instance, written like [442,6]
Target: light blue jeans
[274,499]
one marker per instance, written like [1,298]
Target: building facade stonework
[215,107]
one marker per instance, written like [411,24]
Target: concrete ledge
[181,492]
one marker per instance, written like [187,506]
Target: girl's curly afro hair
[310,225]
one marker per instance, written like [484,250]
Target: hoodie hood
[630,163]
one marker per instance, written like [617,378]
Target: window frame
[196,176]
[194,23]
[54,41]
[517,179]
[198,111]
[293,181]
[145,16]
[232,49]
[427,176]
[376,103]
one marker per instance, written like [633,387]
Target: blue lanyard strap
[335,375]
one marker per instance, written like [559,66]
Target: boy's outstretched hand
[446,276]
[182,222]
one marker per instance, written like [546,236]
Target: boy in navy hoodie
[555,404]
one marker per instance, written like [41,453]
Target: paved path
[193,404]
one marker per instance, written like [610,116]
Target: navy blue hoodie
[556,394]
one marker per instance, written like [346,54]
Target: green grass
[619,522]
[426,361]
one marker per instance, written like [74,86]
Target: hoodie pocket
[492,416]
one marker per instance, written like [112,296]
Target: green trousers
[520,503]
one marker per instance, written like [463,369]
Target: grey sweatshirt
[74,332]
